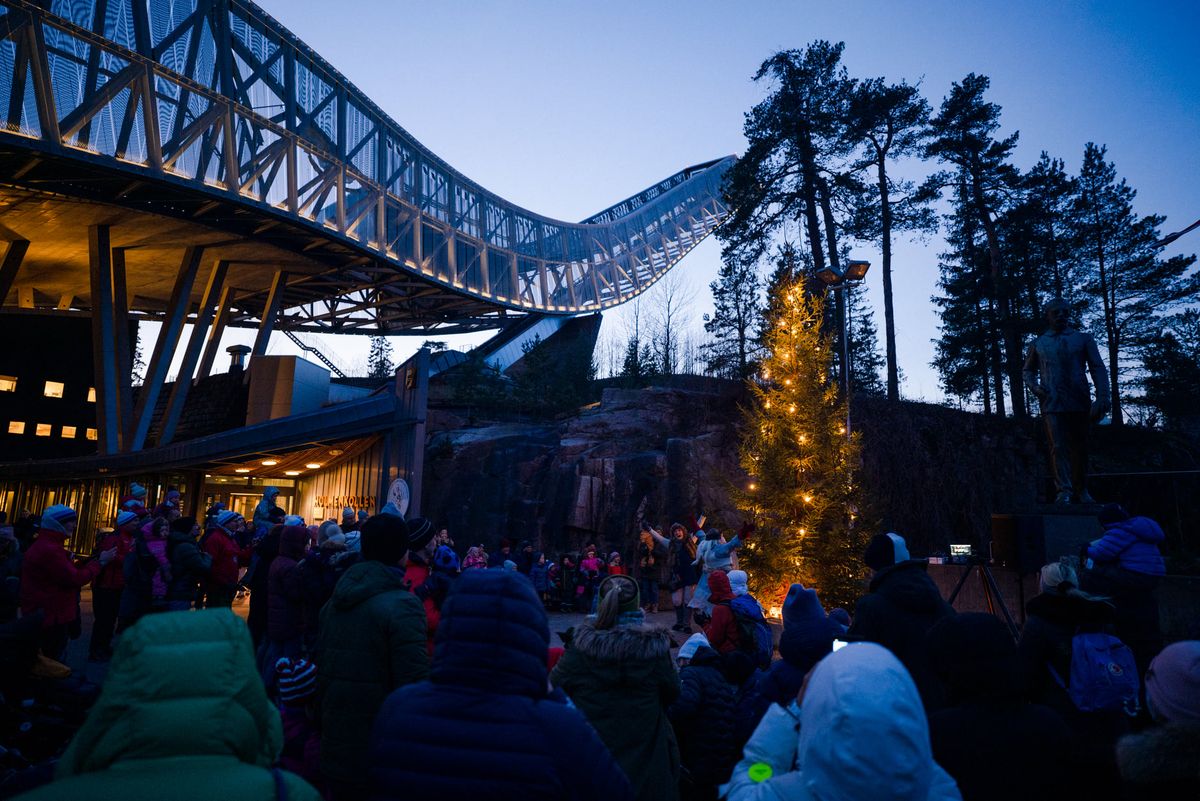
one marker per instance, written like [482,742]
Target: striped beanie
[227,518]
[56,517]
[297,680]
[126,517]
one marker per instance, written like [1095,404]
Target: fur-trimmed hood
[1164,755]
[622,643]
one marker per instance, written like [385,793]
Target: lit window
[43,429]
[68,432]
[54,389]
[16,427]
[91,433]
[91,394]
[8,383]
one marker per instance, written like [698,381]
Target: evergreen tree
[866,362]
[802,489]
[966,345]
[964,135]
[379,361]
[1119,265]
[1171,372]
[731,353]
[891,122]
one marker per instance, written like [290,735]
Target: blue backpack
[753,632]
[1104,674]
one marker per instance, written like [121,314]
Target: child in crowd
[477,558]
[539,575]
[297,683]
[590,570]
[615,568]
[702,716]
[568,575]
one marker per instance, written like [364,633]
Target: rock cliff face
[932,473]
[661,453]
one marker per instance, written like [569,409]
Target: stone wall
[932,473]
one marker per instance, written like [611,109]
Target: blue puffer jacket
[485,725]
[1132,544]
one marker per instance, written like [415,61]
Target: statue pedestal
[1025,542]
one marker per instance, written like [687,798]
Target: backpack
[754,635]
[1104,675]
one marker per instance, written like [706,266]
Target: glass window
[16,427]
[43,430]
[8,383]
[91,394]
[68,432]
[54,389]
[91,433]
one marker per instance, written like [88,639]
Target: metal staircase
[325,360]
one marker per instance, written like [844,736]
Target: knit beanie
[227,518]
[293,520]
[137,491]
[1056,576]
[630,596]
[126,518]
[692,645]
[297,680]
[330,536]
[739,582]
[172,495]
[347,513]
[886,550]
[808,634]
[183,525]
[510,565]
[392,509]
[56,518]
[363,514]
[420,532]
[445,560]
[1173,683]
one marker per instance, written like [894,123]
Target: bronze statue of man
[1055,373]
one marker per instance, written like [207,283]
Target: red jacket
[227,557]
[722,630]
[50,581]
[112,575]
[416,574]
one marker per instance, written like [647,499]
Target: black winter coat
[1001,752]
[319,573]
[903,605]
[1162,763]
[485,725]
[189,566]
[702,717]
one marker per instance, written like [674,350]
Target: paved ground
[77,650]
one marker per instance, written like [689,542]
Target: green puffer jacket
[183,715]
[372,641]
[622,680]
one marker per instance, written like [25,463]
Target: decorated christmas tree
[802,489]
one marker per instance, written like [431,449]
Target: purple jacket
[1132,544]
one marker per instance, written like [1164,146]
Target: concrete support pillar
[104,361]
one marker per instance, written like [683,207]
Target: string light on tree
[802,488]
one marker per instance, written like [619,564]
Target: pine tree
[736,306]
[1120,265]
[866,362]
[891,122]
[1171,372]
[964,136]
[802,489]
[379,361]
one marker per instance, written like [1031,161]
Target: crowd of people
[379,661]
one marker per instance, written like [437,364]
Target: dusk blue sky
[566,107]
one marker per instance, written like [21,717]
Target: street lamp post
[854,274]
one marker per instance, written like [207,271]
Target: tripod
[991,592]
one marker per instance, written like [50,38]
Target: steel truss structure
[211,110]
